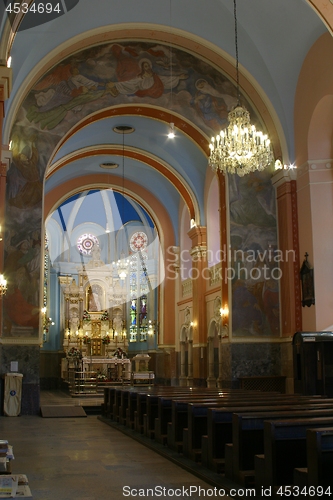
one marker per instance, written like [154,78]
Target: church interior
[121,238]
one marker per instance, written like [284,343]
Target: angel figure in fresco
[61,86]
[212,105]
[25,175]
[63,90]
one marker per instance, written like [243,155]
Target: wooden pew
[248,435]
[319,451]
[197,425]
[179,438]
[140,415]
[219,429]
[284,450]
[164,415]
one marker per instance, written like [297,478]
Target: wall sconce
[224,323]
[307,279]
[0,233]
[3,285]
[47,322]
[152,327]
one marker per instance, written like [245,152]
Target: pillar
[211,380]
[290,292]
[198,235]
[190,364]
[182,378]
[5,89]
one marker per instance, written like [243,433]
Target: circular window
[138,241]
[86,242]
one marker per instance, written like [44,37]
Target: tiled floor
[85,459]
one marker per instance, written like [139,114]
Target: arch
[166,170]
[320,134]
[308,96]
[184,41]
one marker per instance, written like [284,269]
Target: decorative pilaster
[211,380]
[5,89]
[198,235]
[182,378]
[190,364]
[286,195]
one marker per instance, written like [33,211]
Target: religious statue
[117,323]
[96,252]
[74,322]
[94,303]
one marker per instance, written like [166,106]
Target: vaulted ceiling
[194,37]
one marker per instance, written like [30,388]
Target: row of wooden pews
[255,439]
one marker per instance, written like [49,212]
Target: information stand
[13,394]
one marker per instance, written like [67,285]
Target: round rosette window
[86,242]
[138,241]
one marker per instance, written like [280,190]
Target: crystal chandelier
[240,148]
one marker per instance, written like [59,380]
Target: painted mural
[104,76]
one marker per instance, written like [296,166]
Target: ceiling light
[240,148]
[109,165]
[171,133]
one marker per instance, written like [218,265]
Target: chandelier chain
[239,148]
[236,50]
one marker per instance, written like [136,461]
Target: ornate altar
[93,309]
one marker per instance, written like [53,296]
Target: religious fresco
[100,77]
[254,257]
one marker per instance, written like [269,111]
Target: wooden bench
[180,436]
[164,413]
[219,429]
[284,450]
[248,435]
[319,451]
[197,425]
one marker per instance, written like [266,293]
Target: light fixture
[3,285]
[279,166]
[122,263]
[109,165]
[107,228]
[224,323]
[171,133]
[0,233]
[9,62]
[240,148]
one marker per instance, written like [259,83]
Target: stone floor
[85,459]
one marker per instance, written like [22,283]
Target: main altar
[93,303]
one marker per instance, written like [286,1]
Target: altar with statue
[93,315]
[94,323]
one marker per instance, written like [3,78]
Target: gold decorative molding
[6,81]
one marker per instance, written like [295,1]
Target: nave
[84,459]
